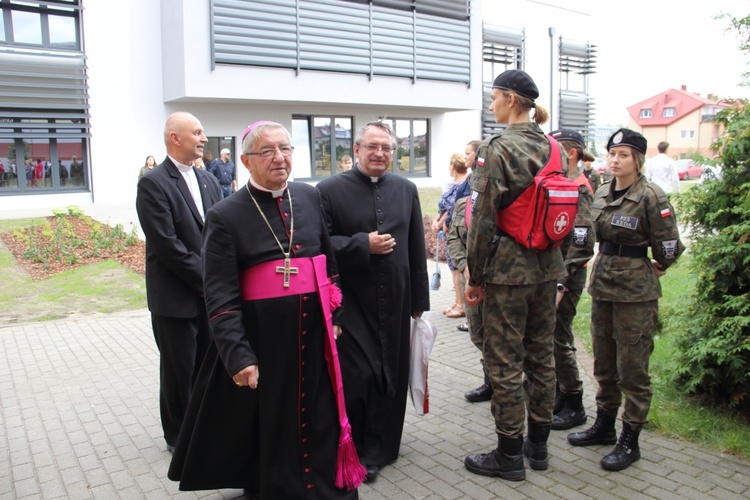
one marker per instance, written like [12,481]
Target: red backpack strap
[581,180]
[467,212]
[554,163]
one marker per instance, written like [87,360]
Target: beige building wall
[686,136]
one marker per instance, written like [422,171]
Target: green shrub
[714,350]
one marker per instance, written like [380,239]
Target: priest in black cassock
[375,221]
[267,268]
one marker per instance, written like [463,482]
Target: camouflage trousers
[566,365]
[623,340]
[518,324]
[474,320]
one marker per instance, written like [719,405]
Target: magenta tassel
[336,297]
[350,473]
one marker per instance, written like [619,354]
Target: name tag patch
[625,221]
[580,236]
[669,249]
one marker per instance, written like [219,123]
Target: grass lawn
[104,287]
[428,200]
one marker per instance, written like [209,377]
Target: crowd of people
[318,287]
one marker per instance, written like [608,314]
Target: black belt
[610,248]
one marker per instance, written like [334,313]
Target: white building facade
[89,83]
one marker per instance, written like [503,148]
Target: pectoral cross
[287,270]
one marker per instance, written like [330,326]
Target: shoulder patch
[669,249]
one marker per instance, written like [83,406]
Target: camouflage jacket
[594,179]
[643,217]
[578,246]
[505,166]
[457,234]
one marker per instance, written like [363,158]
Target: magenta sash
[263,281]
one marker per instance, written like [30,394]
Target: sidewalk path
[79,418]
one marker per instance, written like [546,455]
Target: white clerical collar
[275,193]
[181,166]
[373,179]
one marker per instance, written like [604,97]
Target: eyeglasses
[268,153]
[371,148]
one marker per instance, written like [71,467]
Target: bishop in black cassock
[381,292]
[276,437]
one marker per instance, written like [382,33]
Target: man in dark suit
[171,203]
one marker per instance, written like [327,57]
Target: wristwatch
[561,288]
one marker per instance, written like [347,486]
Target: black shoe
[572,414]
[626,452]
[602,432]
[372,473]
[170,448]
[559,399]
[535,446]
[481,393]
[505,462]
[463,327]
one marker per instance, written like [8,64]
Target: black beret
[627,137]
[566,134]
[518,81]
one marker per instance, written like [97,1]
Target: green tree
[714,349]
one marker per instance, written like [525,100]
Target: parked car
[687,169]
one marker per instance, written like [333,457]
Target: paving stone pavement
[79,418]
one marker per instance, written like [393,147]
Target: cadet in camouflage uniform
[517,285]
[577,249]
[630,215]
[590,172]
[457,234]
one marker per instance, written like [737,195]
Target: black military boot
[559,400]
[626,452]
[572,414]
[481,393]
[602,432]
[535,446]
[505,462]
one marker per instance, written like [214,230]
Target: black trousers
[182,344]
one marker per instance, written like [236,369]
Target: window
[412,146]
[320,142]
[668,112]
[42,165]
[687,134]
[50,24]
[44,129]
[212,150]
[645,113]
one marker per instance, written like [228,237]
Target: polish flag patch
[666,212]
[480,161]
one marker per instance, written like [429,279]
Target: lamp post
[551,76]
